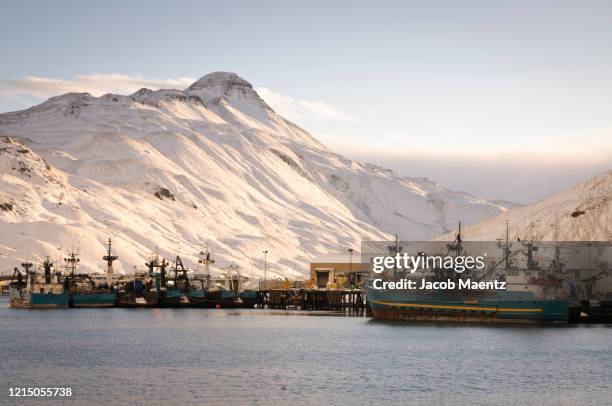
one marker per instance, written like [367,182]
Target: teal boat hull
[93,299]
[170,298]
[248,297]
[221,298]
[49,300]
[198,297]
[502,307]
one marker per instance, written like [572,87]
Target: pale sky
[507,100]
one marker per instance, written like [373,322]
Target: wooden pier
[311,299]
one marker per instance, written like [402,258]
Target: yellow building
[334,271]
[4,284]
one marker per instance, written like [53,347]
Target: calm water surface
[227,357]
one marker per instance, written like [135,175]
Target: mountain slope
[582,212]
[175,170]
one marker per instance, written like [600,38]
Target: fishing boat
[598,310]
[38,291]
[227,286]
[233,280]
[248,297]
[491,306]
[198,295]
[137,292]
[48,291]
[19,295]
[167,294]
[524,299]
[82,289]
[594,286]
[199,287]
[180,285]
[148,288]
[217,294]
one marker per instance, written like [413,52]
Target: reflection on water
[153,356]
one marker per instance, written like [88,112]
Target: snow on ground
[173,171]
[580,213]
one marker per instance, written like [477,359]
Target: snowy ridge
[582,213]
[213,164]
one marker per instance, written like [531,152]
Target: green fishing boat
[82,289]
[37,291]
[501,293]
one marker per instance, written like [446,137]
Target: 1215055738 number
[40,392]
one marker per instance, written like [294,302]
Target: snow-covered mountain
[212,164]
[582,213]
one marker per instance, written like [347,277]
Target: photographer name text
[424,284]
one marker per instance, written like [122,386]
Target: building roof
[337,258]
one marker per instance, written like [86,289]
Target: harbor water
[251,356]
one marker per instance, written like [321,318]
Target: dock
[311,299]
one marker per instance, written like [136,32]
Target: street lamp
[350,251]
[265,252]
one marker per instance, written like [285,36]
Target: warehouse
[333,271]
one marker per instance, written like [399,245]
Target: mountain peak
[222,80]
[214,87]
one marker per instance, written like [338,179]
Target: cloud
[303,110]
[97,84]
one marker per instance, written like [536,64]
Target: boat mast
[47,265]
[162,272]
[71,263]
[178,267]
[30,276]
[507,253]
[235,271]
[394,250]
[206,260]
[109,258]
[459,246]
[151,265]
